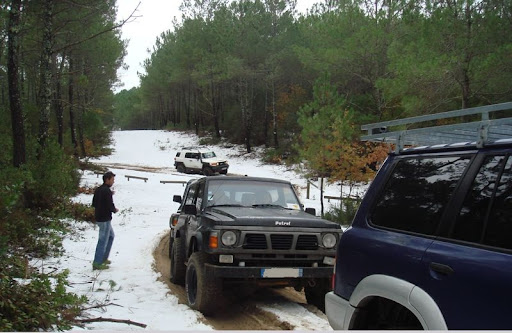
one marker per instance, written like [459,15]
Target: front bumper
[260,272]
[219,168]
[338,311]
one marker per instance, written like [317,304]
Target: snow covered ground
[131,285]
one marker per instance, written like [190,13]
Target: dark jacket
[103,204]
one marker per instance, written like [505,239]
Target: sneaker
[101,266]
[108,262]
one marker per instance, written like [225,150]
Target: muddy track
[240,313]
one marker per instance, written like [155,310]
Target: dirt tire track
[239,314]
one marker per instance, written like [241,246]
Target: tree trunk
[18,126]
[81,113]
[274,115]
[322,197]
[265,119]
[246,112]
[196,112]
[59,109]
[215,109]
[46,76]
[188,104]
[71,92]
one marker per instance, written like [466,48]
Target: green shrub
[345,212]
[209,140]
[54,178]
[39,303]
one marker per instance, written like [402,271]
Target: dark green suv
[233,231]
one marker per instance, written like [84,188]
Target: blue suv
[431,244]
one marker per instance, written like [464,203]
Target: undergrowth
[34,203]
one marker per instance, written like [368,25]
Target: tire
[181,168]
[315,295]
[224,172]
[178,268]
[207,171]
[204,293]
[171,241]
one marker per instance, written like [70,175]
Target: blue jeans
[105,240]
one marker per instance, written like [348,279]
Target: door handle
[442,269]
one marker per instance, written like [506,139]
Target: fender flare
[196,239]
[412,297]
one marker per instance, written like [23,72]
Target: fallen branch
[100,306]
[123,321]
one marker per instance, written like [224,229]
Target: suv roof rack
[480,132]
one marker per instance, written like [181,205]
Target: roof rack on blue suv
[480,131]
[431,244]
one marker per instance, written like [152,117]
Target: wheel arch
[410,296]
[196,244]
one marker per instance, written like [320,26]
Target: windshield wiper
[267,205]
[225,205]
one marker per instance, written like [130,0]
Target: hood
[266,216]
[213,160]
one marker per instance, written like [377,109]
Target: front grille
[307,242]
[281,242]
[255,242]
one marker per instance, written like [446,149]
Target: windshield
[209,154]
[251,193]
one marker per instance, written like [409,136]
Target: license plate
[281,272]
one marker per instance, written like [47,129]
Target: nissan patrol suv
[192,159]
[232,231]
[431,244]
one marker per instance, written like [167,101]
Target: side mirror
[190,210]
[311,211]
[176,198]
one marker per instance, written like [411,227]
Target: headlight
[214,164]
[228,238]
[329,241]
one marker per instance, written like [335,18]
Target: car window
[499,224]
[210,154]
[417,193]
[469,224]
[192,155]
[189,200]
[199,200]
[249,193]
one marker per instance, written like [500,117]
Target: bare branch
[123,321]
[119,25]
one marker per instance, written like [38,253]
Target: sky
[131,283]
[153,18]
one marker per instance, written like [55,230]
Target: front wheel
[315,294]
[207,171]
[177,272]
[204,293]
[171,241]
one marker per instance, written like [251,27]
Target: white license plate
[281,272]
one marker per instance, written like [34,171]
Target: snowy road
[133,289]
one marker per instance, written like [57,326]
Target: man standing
[103,208]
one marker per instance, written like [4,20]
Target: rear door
[193,160]
[403,222]
[468,272]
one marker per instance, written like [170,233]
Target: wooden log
[136,177]
[329,197]
[173,182]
